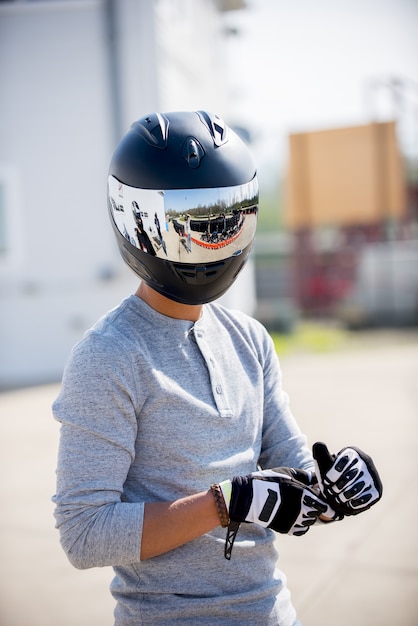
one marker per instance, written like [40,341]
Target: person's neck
[165,306]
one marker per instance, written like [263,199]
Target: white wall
[56,138]
[72,81]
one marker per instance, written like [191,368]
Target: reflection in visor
[186,225]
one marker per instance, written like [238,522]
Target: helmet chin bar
[185,283]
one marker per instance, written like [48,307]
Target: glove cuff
[226,489]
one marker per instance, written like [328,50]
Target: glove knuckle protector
[349,481]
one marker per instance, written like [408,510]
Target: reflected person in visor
[179,456]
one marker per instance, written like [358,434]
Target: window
[3,225]
[10,219]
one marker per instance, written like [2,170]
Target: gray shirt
[153,409]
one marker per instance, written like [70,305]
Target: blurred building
[73,77]
[349,241]
[345,188]
[350,220]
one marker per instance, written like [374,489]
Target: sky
[298,65]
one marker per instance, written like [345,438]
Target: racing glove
[349,481]
[281,499]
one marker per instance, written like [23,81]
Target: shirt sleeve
[97,446]
[283,443]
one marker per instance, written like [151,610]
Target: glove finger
[294,473]
[311,508]
[371,471]
[306,478]
[354,489]
[312,505]
[365,500]
[324,460]
[347,468]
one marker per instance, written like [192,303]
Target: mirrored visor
[186,225]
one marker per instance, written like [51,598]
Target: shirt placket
[219,390]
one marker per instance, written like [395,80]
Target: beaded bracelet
[220,505]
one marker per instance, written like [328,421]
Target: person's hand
[281,499]
[349,481]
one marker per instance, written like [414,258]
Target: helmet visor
[186,225]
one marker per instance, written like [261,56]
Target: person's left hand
[281,499]
[349,481]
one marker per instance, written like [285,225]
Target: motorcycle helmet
[183,202]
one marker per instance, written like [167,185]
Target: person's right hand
[349,480]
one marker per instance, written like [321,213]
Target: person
[178,447]
[188,233]
[140,232]
[160,237]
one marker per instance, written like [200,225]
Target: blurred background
[326,95]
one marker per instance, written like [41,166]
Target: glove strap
[220,505]
[230,538]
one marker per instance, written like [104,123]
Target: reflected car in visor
[186,225]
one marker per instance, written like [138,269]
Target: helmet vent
[193,152]
[196,274]
[154,129]
[216,126]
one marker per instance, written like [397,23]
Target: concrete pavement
[362,571]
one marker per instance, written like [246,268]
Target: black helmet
[183,201]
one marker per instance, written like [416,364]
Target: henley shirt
[153,409]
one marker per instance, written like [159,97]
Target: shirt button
[219,389]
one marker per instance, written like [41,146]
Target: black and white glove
[280,498]
[349,481]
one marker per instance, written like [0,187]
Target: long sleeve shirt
[153,409]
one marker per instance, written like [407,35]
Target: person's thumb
[323,458]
